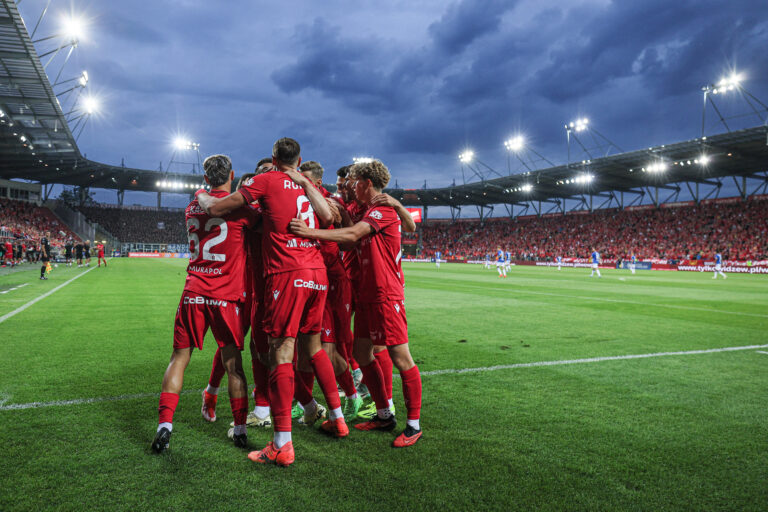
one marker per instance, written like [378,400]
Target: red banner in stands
[415,213]
[409,241]
[678,204]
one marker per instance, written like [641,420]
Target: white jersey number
[194,240]
[307,216]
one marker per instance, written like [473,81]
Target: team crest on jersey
[237,310]
[275,294]
[397,307]
[327,332]
[376,214]
[347,305]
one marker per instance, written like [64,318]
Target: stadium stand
[23,220]
[739,229]
[140,224]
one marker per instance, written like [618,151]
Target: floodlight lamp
[527,187]
[515,143]
[362,159]
[90,104]
[466,157]
[704,159]
[72,28]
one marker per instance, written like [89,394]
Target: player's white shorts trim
[594,265]
[500,263]
[718,267]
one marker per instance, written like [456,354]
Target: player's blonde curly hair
[374,170]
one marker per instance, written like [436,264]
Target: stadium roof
[35,139]
[36,144]
[705,160]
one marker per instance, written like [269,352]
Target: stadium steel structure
[36,144]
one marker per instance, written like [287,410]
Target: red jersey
[100,248]
[281,200]
[254,264]
[381,273]
[351,263]
[217,251]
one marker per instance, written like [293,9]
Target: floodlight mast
[726,85]
[467,157]
[184,145]
[520,148]
[583,125]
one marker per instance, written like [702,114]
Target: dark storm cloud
[413,83]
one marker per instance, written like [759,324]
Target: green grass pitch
[674,432]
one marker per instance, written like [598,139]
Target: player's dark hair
[267,160]
[217,169]
[313,168]
[243,178]
[343,171]
[286,151]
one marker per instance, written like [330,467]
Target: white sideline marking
[761,352]
[33,301]
[80,401]
[15,288]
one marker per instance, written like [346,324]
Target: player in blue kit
[632,262]
[437,259]
[507,260]
[500,263]
[559,262]
[595,257]
[718,266]
[487,261]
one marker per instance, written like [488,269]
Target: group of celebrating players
[294,263]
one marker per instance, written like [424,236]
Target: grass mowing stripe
[619,301]
[761,352]
[80,401]
[38,299]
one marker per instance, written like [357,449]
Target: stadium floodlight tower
[470,160]
[518,146]
[579,130]
[727,86]
[182,148]
[81,113]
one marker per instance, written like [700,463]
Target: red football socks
[261,383]
[281,396]
[373,379]
[325,377]
[385,363]
[239,409]
[217,370]
[412,392]
[346,382]
[168,403]
[305,381]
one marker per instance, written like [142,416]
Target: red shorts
[101,254]
[258,336]
[383,323]
[294,302]
[196,313]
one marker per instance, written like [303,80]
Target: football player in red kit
[100,254]
[296,286]
[381,308]
[212,298]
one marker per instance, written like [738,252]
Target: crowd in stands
[146,225]
[739,230]
[25,222]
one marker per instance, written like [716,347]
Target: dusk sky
[412,83]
